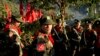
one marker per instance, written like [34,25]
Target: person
[97,42]
[88,39]
[43,42]
[14,24]
[60,39]
[14,29]
[75,37]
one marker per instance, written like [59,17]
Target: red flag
[8,11]
[32,15]
[21,8]
[28,16]
[36,15]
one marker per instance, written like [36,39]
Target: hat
[46,20]
[58,20]
[18,19]
[97,23]
[88,22]
[76,21]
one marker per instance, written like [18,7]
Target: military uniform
[75,37]
[13,28]
[60,39]
[88,39]
[42,44]
[97,44]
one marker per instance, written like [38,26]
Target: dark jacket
[88,38]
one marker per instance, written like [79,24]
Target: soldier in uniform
[43,41]
[88,39]
[75,37]
[97,44]
[14,29]
[14,24]
[61,39]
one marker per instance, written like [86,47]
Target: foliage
[47,5]
[14,6]
[30,28]
[56,5]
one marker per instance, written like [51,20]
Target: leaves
[57,6]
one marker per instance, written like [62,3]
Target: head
[88,24]
[77,23]
[59,22]
[59,26]
[97,24]
[16,21]
[46,24]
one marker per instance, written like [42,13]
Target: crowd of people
[51,39]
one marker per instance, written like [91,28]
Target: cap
[97,23]
[58,20]
[88,22]
[76,21]
[46,20]
[18,19]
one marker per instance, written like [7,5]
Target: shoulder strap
[19,43]
[15,32]
[57,35]
[75,31]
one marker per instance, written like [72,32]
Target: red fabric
[19,30]
[40,47]
[28,17]
[8,11]
[79,29]
[34,15]
[51,39]
[29,14]
[6,27]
